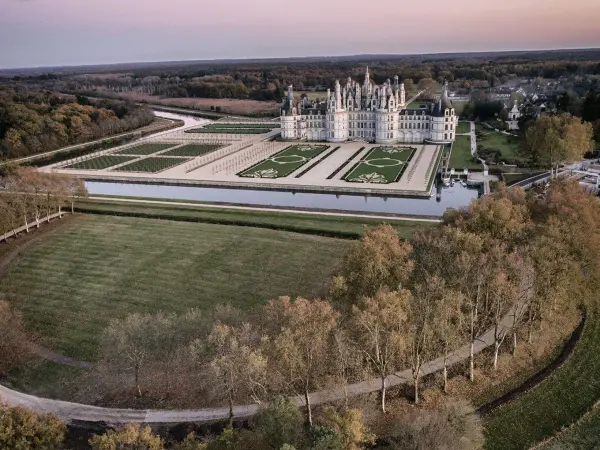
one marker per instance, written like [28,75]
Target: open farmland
[70,284]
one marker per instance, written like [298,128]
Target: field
[101,162]
[461,157]
[585,435]
[193,150]
[152,165]
[71,283]
[463,127]
[285,162]
[508,145]
[144,149]
[381,165]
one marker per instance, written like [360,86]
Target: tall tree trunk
[445,369]
[472,361]
[496,351]
[383,393]
[137,380]
[26,224]
[72,207]
[514,346]
[59,211]
[308,409]
[416,381]
[230,400]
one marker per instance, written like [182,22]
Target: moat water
[449,197]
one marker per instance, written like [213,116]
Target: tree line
[36,120]
[28,196]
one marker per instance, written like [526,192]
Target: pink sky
[55,32]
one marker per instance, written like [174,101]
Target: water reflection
[447,197]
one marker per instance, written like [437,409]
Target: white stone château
[369,112]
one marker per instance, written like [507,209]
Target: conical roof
[443,103]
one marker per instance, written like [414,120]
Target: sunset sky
[73,32]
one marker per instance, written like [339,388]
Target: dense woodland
[35,120]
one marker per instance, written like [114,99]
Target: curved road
[70,412]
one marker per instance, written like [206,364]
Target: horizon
[65,33]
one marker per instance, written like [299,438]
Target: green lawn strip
[461,157]
[230,130]
[434,172]
[71,284]
[144,149]
[584,435]
[152,165]
[556,402]
[362,171]
[463,127]
[100,162]
[193,150]
[332,226]
[508,145]
[284,162]
[511,178]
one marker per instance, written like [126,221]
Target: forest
[34,120]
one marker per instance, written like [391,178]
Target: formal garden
[381,165]
[144,149]
[193,150]
[152,164]
[284,162]
[233,128]
[100,162]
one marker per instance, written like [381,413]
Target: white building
[371,113]
[513,117]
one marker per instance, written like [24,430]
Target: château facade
[369,112]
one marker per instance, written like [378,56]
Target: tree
[279,423]
[379,328]
[554,140]
[237,368]
[131,437]
[349,425]
[22,429]
[301,345]
[378,260]
[125,345]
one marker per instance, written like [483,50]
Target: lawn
[461,157]
[100,162]
[463,127]
[193,150]
[237,125]
[381,165]
[585,435]
[284,162]
[69,285]
[144,149]
[152,165]
[556,402]
[508,145]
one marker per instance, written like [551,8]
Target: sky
[36,33]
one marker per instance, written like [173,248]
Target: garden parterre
[100,162]
[152,165]
[285,162]
[381,165]
[144,149]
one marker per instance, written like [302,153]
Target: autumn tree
[301,342]
[131,437]
[554,140]
[279,423]
[379,327]
[236,368]
[21,428]
[378,260]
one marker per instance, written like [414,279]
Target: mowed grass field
[284,162]
[71,283]
[461,157]
[152,165]
[463,127]
[193,150]
[381,165]
[100,162]
[144,149]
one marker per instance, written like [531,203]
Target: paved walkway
[78,412]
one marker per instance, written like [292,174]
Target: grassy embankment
[556,402]
[461,157]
